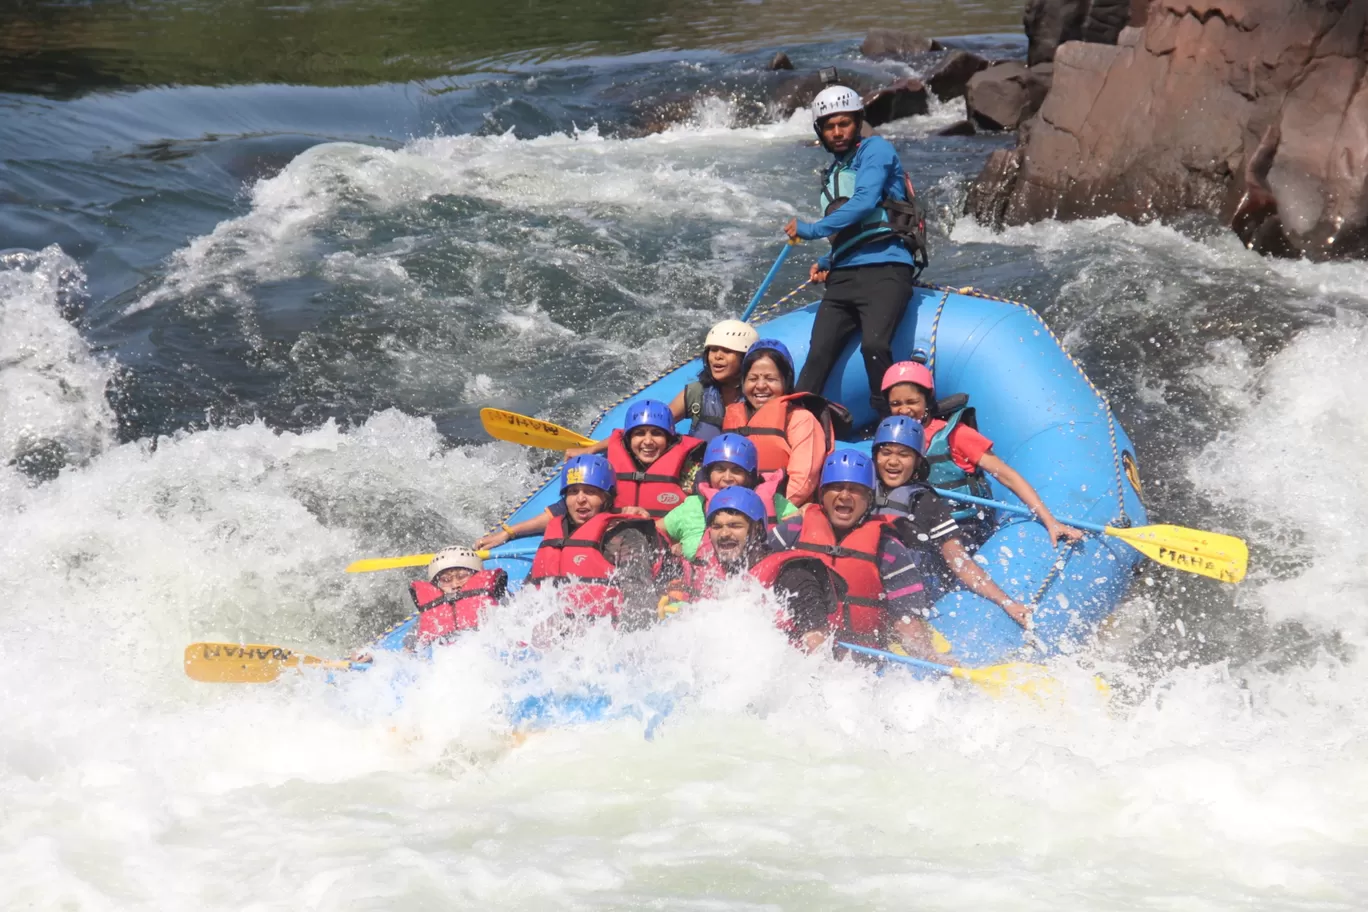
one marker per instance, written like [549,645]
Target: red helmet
[909,372]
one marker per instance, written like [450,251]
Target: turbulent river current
[254,290]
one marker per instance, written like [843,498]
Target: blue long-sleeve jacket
[878,174]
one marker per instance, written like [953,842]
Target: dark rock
[904,98]
[781,62]
[950,77]
[1252,110]
[1050,23]
[799,91]
[958,128]
[882,44]
[1004,96]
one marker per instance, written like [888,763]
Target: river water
[260,267]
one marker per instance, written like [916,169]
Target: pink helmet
[909,372]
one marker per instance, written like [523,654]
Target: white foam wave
[582,175]
[52,389]
[1291,459]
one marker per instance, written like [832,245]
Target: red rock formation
[1253,110]
[1007,93]
[1050,23]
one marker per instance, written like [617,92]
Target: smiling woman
[791,431]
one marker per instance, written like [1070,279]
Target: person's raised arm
[1019,486]
[876,161]
[807,445]
[534,526]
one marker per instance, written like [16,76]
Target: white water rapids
[780,781]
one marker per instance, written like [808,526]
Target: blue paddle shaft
[764,286]
[894,657]
[1013,508]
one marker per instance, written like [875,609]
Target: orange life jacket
[443,616]
[578,559]
[656,488]
[767,427]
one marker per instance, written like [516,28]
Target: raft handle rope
[1070,548]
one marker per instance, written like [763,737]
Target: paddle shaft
[894,657]
[1013,508]
[769,278]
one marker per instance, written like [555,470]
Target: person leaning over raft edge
[877,239]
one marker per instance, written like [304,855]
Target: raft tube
[1045,419]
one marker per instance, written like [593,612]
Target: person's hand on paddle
[1058,530]
[817,274]
[492,540]
[791,229]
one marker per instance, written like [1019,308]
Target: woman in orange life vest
[958,455]
[458,591]
[791,431]
[605,563]
[885,593]
[923,519]
[652,464]
[718,385]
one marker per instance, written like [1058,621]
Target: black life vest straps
[836,551]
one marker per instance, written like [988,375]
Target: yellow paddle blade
[371,564]
[532,432]
[1021,677]
[236,663]
[1221,557]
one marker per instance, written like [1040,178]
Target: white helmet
[453,558]
[836,100]
[733,335]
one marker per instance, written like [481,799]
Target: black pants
[870,300]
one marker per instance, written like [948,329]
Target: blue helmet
[901,429]
[742,500]
[731,448]
[848,465]
[773,347]
[648,413]
[593,470]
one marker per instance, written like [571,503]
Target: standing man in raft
[877,244]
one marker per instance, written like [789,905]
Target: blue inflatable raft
[1046,420]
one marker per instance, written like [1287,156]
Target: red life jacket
[443,616]
[579,558]
[767,428]
[656,488]
[767,571]
[855,558]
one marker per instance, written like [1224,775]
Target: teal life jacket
[945,474]
[900,220]
[897,501]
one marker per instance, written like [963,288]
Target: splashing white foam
[51,387]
